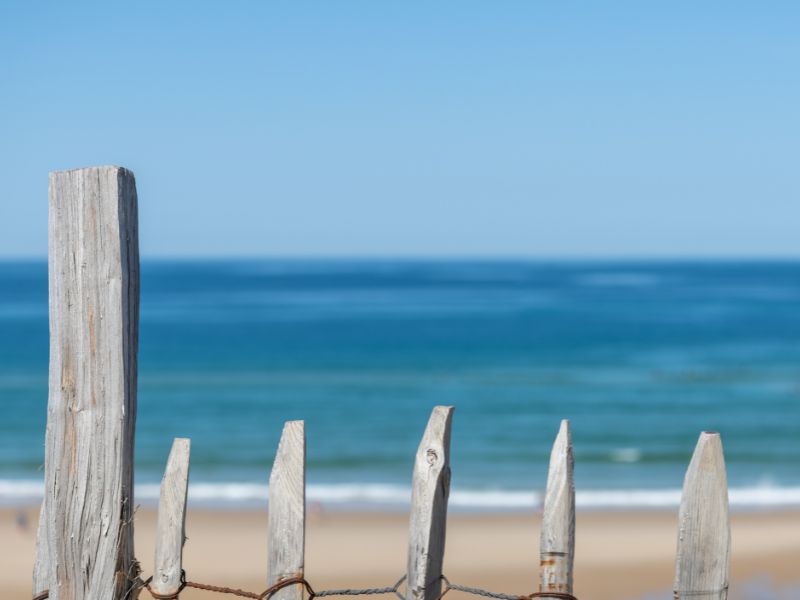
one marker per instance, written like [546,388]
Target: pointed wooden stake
[430,489]
[557,543]
[171,523]
[287,511]
[704,537]
[85,540]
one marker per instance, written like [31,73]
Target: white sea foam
[626,455]
[388,496]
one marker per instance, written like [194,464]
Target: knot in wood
[432,456]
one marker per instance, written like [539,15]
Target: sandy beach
[618,555]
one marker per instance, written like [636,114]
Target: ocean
[640,356]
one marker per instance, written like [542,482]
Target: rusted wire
[272,590]
[159,596]
[267,593]
[223,590]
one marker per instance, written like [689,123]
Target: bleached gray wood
[287,511]
[41,564]
[85,543]
[704,536]
[430,488]
[171,521]
[557,543]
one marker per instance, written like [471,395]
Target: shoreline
[393,497]
[619,554]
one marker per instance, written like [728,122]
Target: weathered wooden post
[704,536]
[557,543]
[171,521]
[287,511]
[85,538]
[430,488]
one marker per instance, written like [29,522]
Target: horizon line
[336,257]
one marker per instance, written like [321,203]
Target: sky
[424,129]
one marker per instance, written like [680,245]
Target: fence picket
[94,318]
[171,520]
[557,542]
[703,557]
[287,511]
[430,489]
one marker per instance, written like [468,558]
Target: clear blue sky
[413,128]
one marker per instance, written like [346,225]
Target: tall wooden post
[85,539]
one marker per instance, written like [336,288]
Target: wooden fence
[85,537]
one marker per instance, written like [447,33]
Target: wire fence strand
[476,591]
[272,590]
[500,596]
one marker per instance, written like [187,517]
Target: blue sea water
[640,356]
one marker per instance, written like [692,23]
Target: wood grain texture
[704,538]
[557,542]
[287,511]
[430,488]
[85,544]
[171,520]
